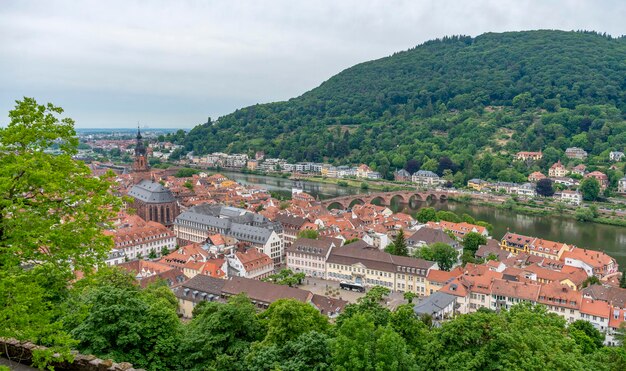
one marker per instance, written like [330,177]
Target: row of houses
[571,152]
[423,178]
[594,263]
[523,189]
[501,285]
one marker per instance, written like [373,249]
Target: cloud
[173,63]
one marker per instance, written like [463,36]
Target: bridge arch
[378,200]
[335,205]
[355,201]
[398,197]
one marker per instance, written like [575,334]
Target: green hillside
[457,98]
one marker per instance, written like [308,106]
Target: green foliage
[398,247]
[286,277]
[584,214]
[361,345]
[426,214]
[127,324]
[459,97]
[448,216]
[544,187]
[471,242]
[40,192]
[591,280]
[586,336]
[287,319]
[220,336]
[309,233]
[351,240]
[186,172]
[309,351]
[590,189]
[622,280]
[442,253]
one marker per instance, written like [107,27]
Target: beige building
[309,256]
[366,265]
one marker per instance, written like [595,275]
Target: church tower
[141,166]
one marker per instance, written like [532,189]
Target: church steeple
[141,158]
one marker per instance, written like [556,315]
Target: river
[608,238]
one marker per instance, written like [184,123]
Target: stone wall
[22,352]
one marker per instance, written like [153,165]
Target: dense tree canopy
[460,105]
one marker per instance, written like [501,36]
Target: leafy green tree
[185,172]
[51,217]
[544,187]
[56,208]
[441,253]
[152,254]
[361,345]
[408,325]
[309,351]
[591,280]
[164,251]
[471,242]
[622,280]
[426,214]
[220,336]
[128,324]
[287,319]
[350,240]
[398,246]
[590,189]
[448,216]
[586,336]
[370,305]
[523,101]
[309,233]
[409,296]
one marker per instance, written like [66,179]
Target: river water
[607,238]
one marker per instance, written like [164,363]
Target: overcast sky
[172,63]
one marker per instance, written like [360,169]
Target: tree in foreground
[56,208]
[220,335]
[51,217]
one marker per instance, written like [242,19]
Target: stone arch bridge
[385,198]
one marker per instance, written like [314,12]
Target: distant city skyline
[173,64]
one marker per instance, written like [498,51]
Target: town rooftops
[614,295]
[434,303]
[312,247]
[429,236]
[265,292]
[373,258]
[595,259]
[151,192]
[513,289]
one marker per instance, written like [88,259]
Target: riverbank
[540,210]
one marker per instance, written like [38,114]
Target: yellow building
[516,243]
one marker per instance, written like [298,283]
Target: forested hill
[443,98]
